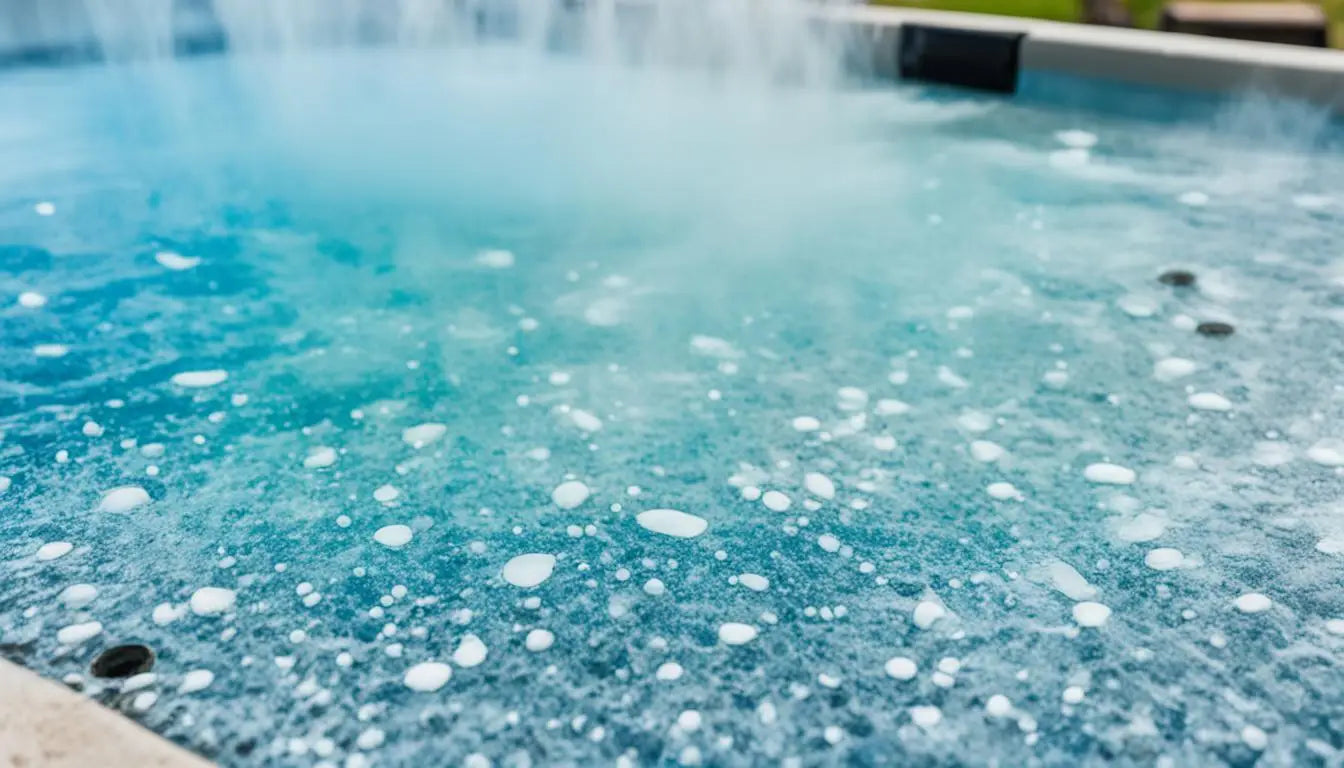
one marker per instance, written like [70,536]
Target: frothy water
[529,408]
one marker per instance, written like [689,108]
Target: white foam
[975,421]
[77,595]
[890,407]
[470,652]
[32,300]
[530,570]
[927,613]
[76,634]
[1143,527]
[753,581]
[5,483]
[200,379]
[585,420]
[949,378]
[1109,474]
[806,424]
[672,522]
[1328,452]
[1073,694]
[1069,581]
[176,261]
[570,494]
[320,458]
[1193,198]
[851,399]
[1271,453]
[1076,139]
[901,668]
[1209,401]
[926,717]
[1164,559]
[819,485]
[211,601]
[539,640]
[394,536]
[167,613]
[776,501]
[1172,368]
[123,499]
[1090,614]
[733,633]
[828,542]
[427,676]
[1253,602]
[986,451]
[495,259]
[51,350]
[53,550]
[44,208]
[196,680]
[713,347]
[386,494]
[999,706]
[1004,492]
[1254,738]
[668,671]
[421,435]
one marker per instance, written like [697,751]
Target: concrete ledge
[45,725]
[1138,57]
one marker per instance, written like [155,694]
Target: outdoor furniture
[1292,23]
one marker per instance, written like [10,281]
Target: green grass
[1146,13]
[1058,10]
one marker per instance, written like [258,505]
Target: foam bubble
[926,716]
[176,261]
[570,494]
[1172,368]
[668,671]
[394,536]
[320,458]
[427,676]
[44,208]
[819,485]
[1091,614]
[776,501]
[76,634]
[1109,474]
[713,347]
[200,379]
[53,550]
[32,300]
[51,350]
[1164,559]
[530,570]
[672,522]
[754,582]
[495,259]
[123,499]
[1004,492]
[539,640]
[77,595]
[733,633]
[986,451]
[196,680]
[386,494]
[1253,602]
[1328,452]
[927,613]
[585,420]
[421,435]
[891,407]
[806,424]
[901,668]
[1209,401]
[470,652]
[975,421]
[211,601]
[1076,139]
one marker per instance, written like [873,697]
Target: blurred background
[1283,21]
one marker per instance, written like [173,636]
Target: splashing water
[415,389]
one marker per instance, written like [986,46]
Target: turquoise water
[881,344]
